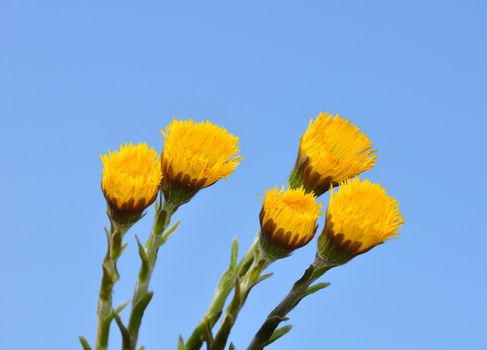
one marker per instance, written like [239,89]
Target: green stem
[300,290]
[142,295]
[243,285]
[109,278]
[223,289]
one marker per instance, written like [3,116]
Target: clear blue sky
[79,78]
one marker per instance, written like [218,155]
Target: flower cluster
[195,155]
[360,215]
[332,153]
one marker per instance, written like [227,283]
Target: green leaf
[235,303]
[234,253]
[246,266]
[124,246]
[123,330]
[208,335]
[144,270]
[84,343]
[278,333]
[180,343]
[108,277]
[143,302]
[231,347]
[117,237]
[263,277]
[138,311]
[316,287]
[168,233]
[122,306]
[158,205]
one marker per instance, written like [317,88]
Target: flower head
[288,218]
[359,217]
[196,155]
[331,150]
[131,178]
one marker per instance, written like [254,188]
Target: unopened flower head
[288,218]
[331,150]
[131,178]
[359,217]
[196,155]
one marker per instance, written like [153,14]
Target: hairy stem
[223,289]
[299,290]
[142,295]
[109,278]
[243,285]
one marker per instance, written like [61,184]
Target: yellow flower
[331,150]
[196,155]
[288,218]
[359,217]
[131,178]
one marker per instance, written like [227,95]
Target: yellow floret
[197,154]
[288,217]
[131,177]
[359,217]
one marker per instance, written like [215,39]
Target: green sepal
[278,333]
[123,218]
[84,343]
[270,250]
[176,194]
[144,270]
[303,175]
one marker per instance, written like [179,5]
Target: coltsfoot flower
[359,217]
[196,155]
[331,150]
[130,180]
[288,219]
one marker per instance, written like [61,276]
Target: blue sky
[79,78]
